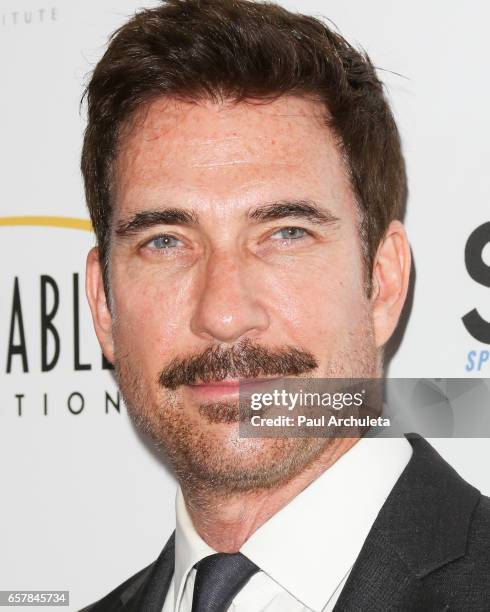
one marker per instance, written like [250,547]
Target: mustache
[243,360]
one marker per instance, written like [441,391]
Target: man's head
[243,174]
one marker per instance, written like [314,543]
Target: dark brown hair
[238,49]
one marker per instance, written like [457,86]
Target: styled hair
[239,50]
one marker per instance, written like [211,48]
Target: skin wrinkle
[224,163]
[227,284]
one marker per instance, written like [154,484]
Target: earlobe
[101,315]
[391,274]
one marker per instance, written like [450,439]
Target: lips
[228,387]
[216,390]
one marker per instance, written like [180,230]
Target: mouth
[229,387]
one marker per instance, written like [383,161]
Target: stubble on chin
[202,443]
[205,450]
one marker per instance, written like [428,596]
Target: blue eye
[289,233]
[166,241]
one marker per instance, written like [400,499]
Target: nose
[229,305]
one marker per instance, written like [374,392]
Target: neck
[225,522]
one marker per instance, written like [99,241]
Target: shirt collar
[309,545]
[189,546]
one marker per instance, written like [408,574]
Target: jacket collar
[427,515]
[422,526]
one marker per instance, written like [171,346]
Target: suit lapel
[149,595]
[422,526]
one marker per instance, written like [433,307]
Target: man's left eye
[289,233]
[165,241]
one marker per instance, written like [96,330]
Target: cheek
[149,319]
[320,303]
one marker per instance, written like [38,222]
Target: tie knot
[219,577]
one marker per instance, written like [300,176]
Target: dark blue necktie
[219,577]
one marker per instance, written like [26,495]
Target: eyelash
[289,228]
[161,236]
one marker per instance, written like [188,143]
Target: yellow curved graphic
[45,221]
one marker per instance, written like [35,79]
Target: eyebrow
[303,209]
[149,218]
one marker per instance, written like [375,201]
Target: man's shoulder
[113,601]
[429,547]
[144,590]
[477,556]
[464,583]
[480,527]
[479,539]
[470,574]
[459,535]
[456,513]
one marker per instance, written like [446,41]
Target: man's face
[235,251]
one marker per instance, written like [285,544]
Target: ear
[391,274]
[101,315]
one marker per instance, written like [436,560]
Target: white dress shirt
[307,549]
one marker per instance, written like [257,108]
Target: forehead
[207,152]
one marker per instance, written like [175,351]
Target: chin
[222,462]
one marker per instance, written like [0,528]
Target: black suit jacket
[428,550]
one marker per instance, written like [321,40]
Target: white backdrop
[84,501]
